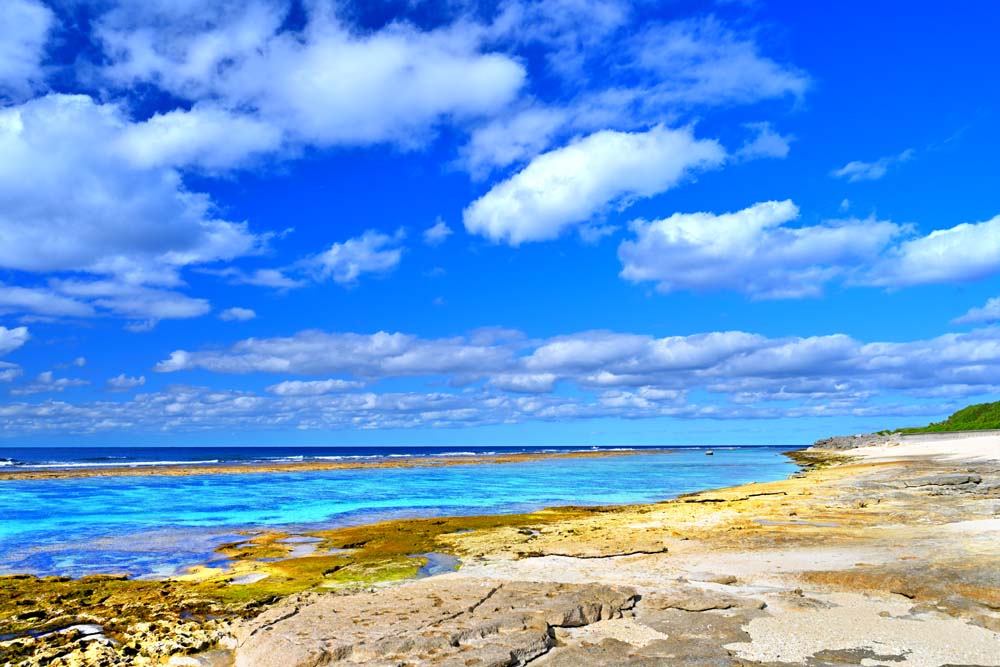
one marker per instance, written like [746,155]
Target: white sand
[940,448]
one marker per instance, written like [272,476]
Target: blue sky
[564,222]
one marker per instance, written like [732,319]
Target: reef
[257,467]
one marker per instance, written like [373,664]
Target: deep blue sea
[153,526]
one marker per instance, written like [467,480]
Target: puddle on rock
[437,563]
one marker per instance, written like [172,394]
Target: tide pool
[157,526]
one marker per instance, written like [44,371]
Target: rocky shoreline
[858,559]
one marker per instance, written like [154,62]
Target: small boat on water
[709,452]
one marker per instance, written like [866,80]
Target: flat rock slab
[447,623]
[943,480]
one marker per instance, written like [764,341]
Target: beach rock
[452,622]
[944,480]
[696,601]
[854,441]
[685,639]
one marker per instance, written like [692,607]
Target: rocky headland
[886,553]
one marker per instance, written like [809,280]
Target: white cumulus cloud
[11,339]
[206,137]
[313,387]
[122,383]
[965,252]
[571,185]
[316,352]
[110,217]
[372,252]
[325,84]
[988,313]
[437,233]
[237,314]
[752,251]
[46,382]
[24,31]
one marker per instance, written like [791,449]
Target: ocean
[157,526]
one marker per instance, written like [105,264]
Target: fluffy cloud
[275,278]
[756,252]
[765,144]
[856,170]
[24,30]
[372,252]
[9,372]
[529,383]
[187,409]
[607,358]
[730,363]
[570,185]
[148,305]
[47,383]
[122,383]
[968,251]
[124,213]
[327,84]
[751,250]
[437,233]
[42,301]
[660,73]
[510,139]
[313,387]
[11,339]
[734,375]
[204,137]
[365,356]
[110,217]
[94,298]
[988,313]
[237,314]
[131,226]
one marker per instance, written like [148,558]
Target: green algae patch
[42,604]
[396,540]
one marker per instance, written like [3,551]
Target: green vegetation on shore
[980,417]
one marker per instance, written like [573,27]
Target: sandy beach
[942,447]
[884,555]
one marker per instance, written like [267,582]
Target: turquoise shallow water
[155,526]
